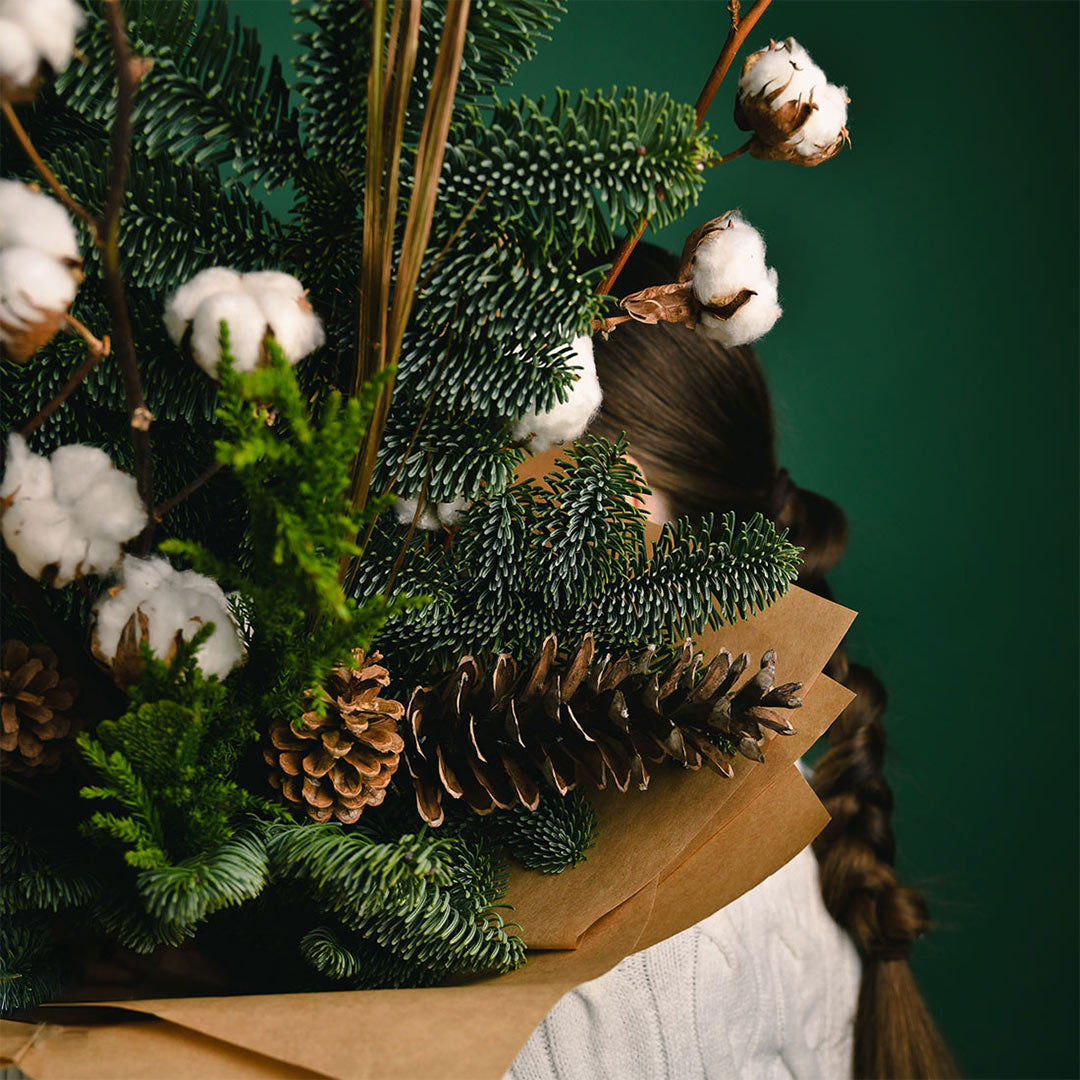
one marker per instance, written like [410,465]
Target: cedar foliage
[532,195]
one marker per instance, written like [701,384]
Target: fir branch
[228,875]
[33,968]
[552,838]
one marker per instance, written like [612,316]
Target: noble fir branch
[574,178]
[709,574]
[33,966]
[208,96]
[569,556]
[41,873]
[186,893]
[551,838]
[415,908]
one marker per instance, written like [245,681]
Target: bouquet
[336,655]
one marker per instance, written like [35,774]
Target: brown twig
[187,490]
[741,25]
[127,79]
[740,29]
[49,176]
[737,152]
[96,351]
[603,326]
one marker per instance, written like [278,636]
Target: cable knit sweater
[765,989]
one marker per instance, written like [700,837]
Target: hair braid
[894,1033]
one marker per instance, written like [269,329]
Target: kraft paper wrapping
[665,859]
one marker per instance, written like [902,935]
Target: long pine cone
[488,737]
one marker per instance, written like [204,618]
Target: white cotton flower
[247,328]
[751,321]
[566,420]
[35,292]
[405,509]
[166,604]
[50,25]
[254,305]
[736,290]
[181,305]
[71,511]
[32,282]
[18,57]
[30,219]
[728,259]
[796,114]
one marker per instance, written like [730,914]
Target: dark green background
[925,372]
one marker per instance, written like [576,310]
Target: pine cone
[488,737]
[34,703]
[333,766]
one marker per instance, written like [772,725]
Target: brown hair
[700,422]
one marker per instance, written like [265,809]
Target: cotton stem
[128,73]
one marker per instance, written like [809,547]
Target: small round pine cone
[34,705]
[335,764]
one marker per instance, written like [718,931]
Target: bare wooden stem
[187,490]
[127,78]
[96,351]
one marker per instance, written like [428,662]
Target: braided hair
[700,423]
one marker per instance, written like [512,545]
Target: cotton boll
[71,512]
[726,260]
[35,293]
[751,321]
[796,114]
[566,420]
[51,26]
[181,306]
[18,57]
[32,282]
[296,328]
[405,509]
[31,219]
[247,327]
[166,603]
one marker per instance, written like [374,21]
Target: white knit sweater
[765,989]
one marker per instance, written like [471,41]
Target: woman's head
[700,424]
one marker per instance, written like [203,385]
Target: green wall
[925,372]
